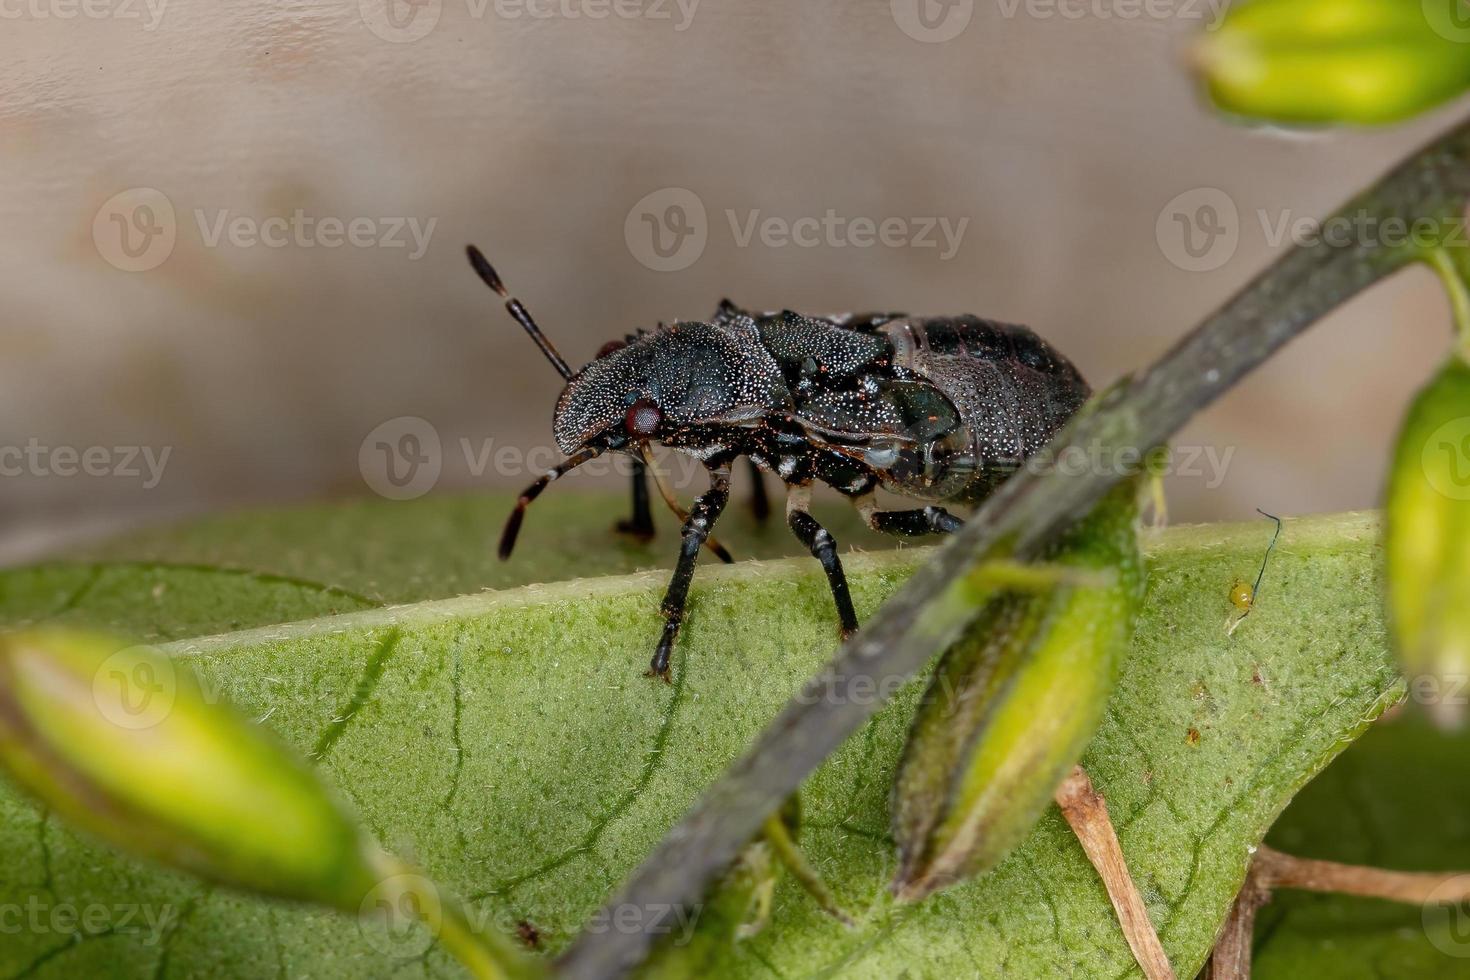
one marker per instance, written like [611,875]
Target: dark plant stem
[934,607]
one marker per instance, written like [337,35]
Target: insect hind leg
[908,523]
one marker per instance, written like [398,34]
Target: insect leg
[651,468]
[640,525]
[912,523]
[702,518]
[760,503]
[820,543]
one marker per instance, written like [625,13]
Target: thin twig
[1086,813]
[932,610]
[1231,958]
[1274,869]
[1271,870]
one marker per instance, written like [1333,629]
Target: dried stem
[1231,959]
[1271,869]
[1086,813]
[932,610]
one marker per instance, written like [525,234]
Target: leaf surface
[508,741]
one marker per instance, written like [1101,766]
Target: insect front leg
[908,523]
[701,521]
[823,547]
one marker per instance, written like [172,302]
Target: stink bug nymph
[940,409]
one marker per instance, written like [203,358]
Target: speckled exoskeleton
[941,409]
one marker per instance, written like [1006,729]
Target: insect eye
[643,418]
[609,347]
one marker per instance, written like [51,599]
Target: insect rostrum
[938,409]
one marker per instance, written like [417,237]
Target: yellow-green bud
[1325,61]
[1427,544]
[1011,708]
[123,742]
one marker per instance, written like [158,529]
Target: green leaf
[1396,799]
[508,742]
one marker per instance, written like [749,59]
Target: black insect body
[940,409]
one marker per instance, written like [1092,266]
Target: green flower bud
[1427,543]
[1011,708]
[123,743]
[1326,61]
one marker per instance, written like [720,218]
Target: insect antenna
[513,523]
[487,272]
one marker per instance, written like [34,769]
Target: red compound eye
[609,347]
[643,418]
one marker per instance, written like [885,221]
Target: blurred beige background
[151,302]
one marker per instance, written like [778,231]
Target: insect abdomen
[1013,389]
